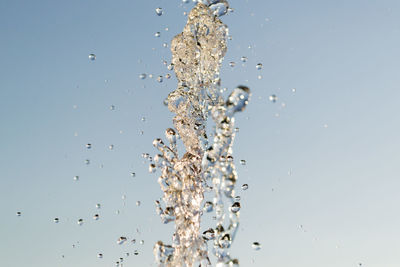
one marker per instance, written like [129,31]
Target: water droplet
[238,99]
[273,98]
[19,213]
[98,206]
[111,147]
[225,241]
[80,221]
[209,234]
[56,220]
[92,57]
[256,246]
[121,240]
[170,66]
[141,242]
[142,76]
[87,161]
[232,64]
[237,198]
[293,90]
[133,174]
[208,206]
[159,11]
[160,79]
[112,107]
[185,1]
[157,34]
[76,178]
[165,45]
[220,7]
[133,241]
[259,66]
[88,146]
[152,168]
[135,252]
[245,186]
[96,217]
[100,256]
[138,203]
[167,76]
[243,162]
[243,59]
[235,207]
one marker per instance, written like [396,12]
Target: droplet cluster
[197,54]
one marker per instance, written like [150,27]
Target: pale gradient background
[323,175]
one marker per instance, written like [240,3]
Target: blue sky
[322,162]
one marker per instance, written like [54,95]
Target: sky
[322,162]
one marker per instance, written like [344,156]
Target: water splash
[197,54]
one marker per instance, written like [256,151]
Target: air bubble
[245,186]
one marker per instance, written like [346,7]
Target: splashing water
[197,54]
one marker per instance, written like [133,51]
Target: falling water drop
[273,98]
[208,206]
[235,207]
[256,246]
[92,57]
[121,240]
[159,11]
